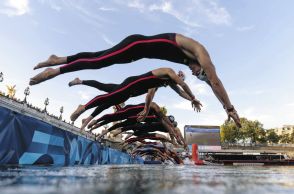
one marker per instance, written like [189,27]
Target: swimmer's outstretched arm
[179,134]
[166,123]
[181,92]
[195,103]
[199,53]
[168,72]
[149,97]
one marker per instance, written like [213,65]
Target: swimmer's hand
[232,114]
[196,105]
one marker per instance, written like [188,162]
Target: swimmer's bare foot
[45,75]
[92,123]
[94,127]
[85,122]
[77,113]
[51,61]
[76,81]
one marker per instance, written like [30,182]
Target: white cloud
[82,9]
[256,114]
[197,87]
[192,13]
[186,105]
[107,9]
[107,40]
[137,4]
[245,28]
[216,14]
[167,7]
[84,95]
[15,7]
[246,92]
[200,89]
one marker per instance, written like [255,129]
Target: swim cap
[182,75]
[175,123]
[171,118]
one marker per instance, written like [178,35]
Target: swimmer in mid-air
[130,114]
[145,129]
[169,46]
[135,86]
[152,124]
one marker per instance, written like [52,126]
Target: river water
[143,179]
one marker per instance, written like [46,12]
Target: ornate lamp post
[1,80]
[1,77]
[61,111]
[46,104]
[26,93]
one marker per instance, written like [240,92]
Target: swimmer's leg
[78,112]
[51,61]
[109,87]
[54,60]
[45,75]
[74,82]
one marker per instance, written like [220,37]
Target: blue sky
[250,43]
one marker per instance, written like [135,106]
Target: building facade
[285,129]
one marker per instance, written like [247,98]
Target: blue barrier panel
[26,140]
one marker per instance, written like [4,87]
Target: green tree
[262,137]
[251,131]
[229,132]
[292,137]
[255,131]
[272,136]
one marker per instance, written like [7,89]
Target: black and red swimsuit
[132,48]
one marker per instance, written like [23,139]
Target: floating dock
[247,158]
